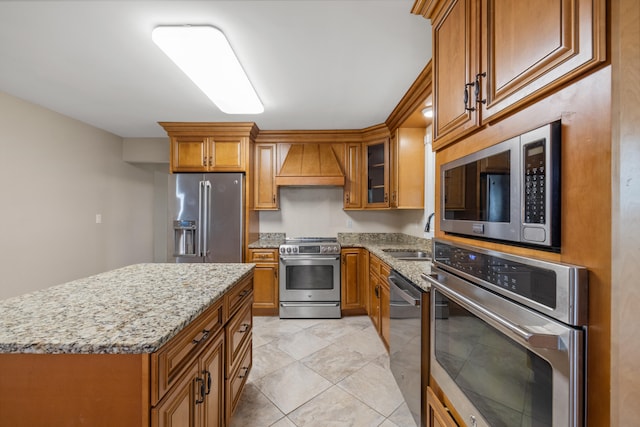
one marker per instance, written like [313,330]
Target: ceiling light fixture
[204,54]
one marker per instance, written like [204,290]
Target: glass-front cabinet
[377,174]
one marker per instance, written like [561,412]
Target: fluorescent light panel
[204,54]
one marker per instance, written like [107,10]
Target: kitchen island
[147,344]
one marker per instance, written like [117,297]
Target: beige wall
[317,211]
[56,175]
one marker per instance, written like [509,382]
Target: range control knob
[288,250]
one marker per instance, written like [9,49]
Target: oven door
[310,278]
[501,364]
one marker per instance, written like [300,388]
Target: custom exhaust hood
[310,164]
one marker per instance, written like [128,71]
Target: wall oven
[509,191]
[508,337]
[309,282]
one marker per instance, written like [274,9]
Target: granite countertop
[375,243]
[135,309]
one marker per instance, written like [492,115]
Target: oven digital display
[308,249]
[534,283]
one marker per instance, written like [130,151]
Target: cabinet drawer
[238,332]
[172,359]
[263,255]
[237,380]
[240,293]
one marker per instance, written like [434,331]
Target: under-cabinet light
[428,111]
[204,54]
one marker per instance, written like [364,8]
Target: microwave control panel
[534,183]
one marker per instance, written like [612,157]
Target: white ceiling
[316,64]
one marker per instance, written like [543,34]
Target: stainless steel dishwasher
[407,341]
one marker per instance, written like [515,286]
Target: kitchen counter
[374,243]
[377,243]
[135,309]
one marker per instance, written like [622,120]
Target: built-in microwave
[508,192]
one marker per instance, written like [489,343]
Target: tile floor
[320,372]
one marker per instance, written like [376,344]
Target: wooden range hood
[310,164]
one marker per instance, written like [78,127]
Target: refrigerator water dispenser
[184,238]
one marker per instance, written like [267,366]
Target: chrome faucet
[427,227]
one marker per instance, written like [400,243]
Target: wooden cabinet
[353,176]
[437,415]
[210,147]
[265,281]
[265,195]
[379,297]
[353,281]
[376,173]
[197,399]
[208,154]
[507,56]
[407,168]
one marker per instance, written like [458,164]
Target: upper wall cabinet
[210,147]
[492,57]
[407,168]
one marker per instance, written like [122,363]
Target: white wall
[57,174]
[317,211]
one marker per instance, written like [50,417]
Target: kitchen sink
[408,255]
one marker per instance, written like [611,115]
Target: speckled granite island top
[134,309]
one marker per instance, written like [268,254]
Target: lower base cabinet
[437,414]
[379,297]
[198,398]
[265,281]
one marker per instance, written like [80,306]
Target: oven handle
[303,258]
[391,280]
[536,340]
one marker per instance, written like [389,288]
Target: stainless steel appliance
[508,337]
[407,341]
[206,217]
[509,191]
[310,278]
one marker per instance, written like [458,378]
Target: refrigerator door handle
[201,224]
[207,218]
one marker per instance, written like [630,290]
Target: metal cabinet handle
[466,96]
[208,375]
[204,336]
[477,84]
[199,399]
[244,327]
[244,293]
[244,374]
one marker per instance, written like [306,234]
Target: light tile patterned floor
[320,372]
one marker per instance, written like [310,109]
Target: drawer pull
[204,336]
[201,398]
[244,374]
[208,374]
[244,327]
[244,293]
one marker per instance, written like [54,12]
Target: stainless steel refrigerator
[206,217]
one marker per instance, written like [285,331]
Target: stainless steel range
[310,278]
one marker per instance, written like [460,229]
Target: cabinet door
[353,177]
[212,373]
[455,64]
[352,286]
[531,47]
[177,408]
[407,167]
[374,300]
[227,154]
[265,191]
[376,174]
[265,289]
[437,414]
[189,153]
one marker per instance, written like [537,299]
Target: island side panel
[74,389]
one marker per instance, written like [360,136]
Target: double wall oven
[508,337]
[310,278]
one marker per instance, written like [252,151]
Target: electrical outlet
[349,223]
[98,218]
